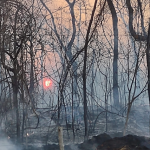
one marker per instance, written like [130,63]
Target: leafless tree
[17,27]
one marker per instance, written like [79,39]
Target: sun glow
[47,83]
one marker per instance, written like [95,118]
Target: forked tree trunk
[127,118]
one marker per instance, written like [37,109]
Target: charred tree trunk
[137,37]
[16,104]
[84,73]
[115,59]
[148,65]
[31,88]
[148,60]
[127,118]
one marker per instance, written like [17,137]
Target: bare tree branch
[136,36]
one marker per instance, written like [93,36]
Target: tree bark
[148,60]
[84,73]
[60,138]
[115,59]
[137,37]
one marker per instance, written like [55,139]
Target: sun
[47,83]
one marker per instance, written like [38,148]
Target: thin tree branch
[136,36]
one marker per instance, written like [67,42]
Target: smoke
[73,147]
[6,144]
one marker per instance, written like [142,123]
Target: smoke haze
[5,144]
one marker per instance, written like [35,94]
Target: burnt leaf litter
[105,142]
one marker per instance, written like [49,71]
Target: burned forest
[74,74]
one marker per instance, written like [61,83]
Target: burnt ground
[113,140]
[45,137]
[129,142]
[105,142]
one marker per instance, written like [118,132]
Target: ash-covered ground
[46,134]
